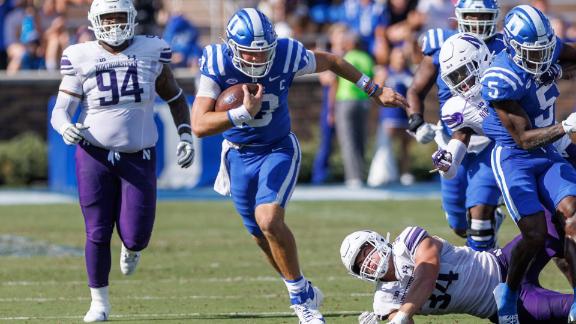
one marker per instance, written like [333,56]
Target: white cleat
[128,261]
[97,313]
[307,315]
[308,312]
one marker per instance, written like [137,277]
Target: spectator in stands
[369,19]
[12,30]
[146,17]
[182,36]
[56,37]
[321,166]
[437,14]
[393,125]
[351,112]
[5,7]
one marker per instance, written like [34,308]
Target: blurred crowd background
[355,144]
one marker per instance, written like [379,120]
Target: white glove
[400,318]
[569,124]
[185,150]
[368,318]
[72,133]
[425,133]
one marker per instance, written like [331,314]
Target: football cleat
[507,310]
[128,261]
[97,313]
[306,305]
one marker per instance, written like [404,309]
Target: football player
[261,156]
[472,217]
[423,274]
[116,78]
[529,171]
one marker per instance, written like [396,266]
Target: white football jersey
[458,113]
[464,285]
[118,91]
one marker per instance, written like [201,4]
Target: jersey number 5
[130,86]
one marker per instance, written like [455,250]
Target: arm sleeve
[165,52]
[211,62]
[458,151]
[64,109]
[308,65]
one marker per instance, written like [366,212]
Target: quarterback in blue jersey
[521,91]
[479,18]
[261,156]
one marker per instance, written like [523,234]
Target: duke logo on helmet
[530,39]
[112,34]
[250,34]
[485,27]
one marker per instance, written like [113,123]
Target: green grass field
[201,265]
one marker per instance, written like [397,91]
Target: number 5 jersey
[118,91]
[464,285]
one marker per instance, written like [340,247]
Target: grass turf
[201,265]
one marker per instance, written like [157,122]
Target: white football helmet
[463,59]
[112,34]
[375,250]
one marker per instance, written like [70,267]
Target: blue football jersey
[272,123]
[505,80]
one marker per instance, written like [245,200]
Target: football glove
[442,160]
[72,133]
[569,124]
[553,73]
[423,132]
[368,318]
[185,150]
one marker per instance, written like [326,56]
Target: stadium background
[201,265]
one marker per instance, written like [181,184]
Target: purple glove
[442,160]
[553,73]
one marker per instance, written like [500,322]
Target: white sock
[297,285]
[100,296]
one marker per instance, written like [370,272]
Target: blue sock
[510,296]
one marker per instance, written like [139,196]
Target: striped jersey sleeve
[66,66]
[433,40]
[411,237]
[501,83]
[165,52]
[212,61]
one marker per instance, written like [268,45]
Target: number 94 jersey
[464,285]
[504,80]
[118,90]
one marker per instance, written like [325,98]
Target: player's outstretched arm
[383,96]
[65,107]
[424,79]
[426,269]
[448,160]
[168,89]
[514,118]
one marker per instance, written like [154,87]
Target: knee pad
[481,234]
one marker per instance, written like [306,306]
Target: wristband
[239,116]
[401,318]
[414,121]
[183,126]
[367,85]
[186,137]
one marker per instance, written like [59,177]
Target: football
[233,96]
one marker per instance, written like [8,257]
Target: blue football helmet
[252,39]
[530,39]
[486,13]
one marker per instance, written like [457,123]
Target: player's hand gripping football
[72,133]
[251,102]
[390,98]
[185,150]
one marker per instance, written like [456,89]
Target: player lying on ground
[423,274]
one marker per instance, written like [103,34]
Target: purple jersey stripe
[64,61]
[166,55]
[414,237]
